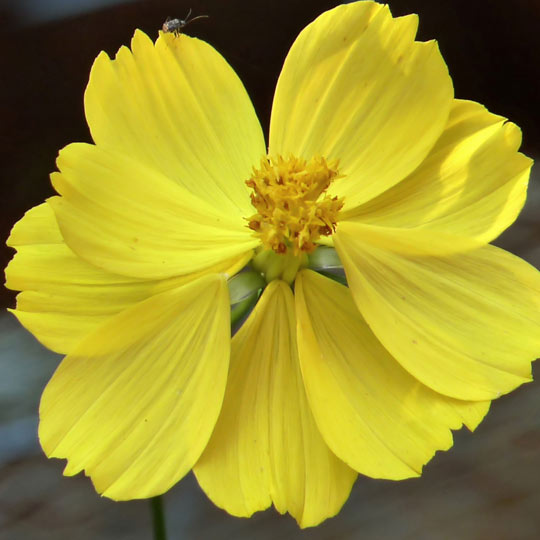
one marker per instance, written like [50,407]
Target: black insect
[175,26]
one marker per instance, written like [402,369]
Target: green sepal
[244,285]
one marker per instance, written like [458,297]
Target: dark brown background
[486,487]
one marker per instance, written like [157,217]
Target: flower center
[293,211]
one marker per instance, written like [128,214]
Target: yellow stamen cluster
[293,211]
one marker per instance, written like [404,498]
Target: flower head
[381,318]
[293,212]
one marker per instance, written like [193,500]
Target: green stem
[158,518]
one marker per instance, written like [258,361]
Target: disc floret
[293,209]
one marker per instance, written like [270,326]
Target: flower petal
[135,404]
[374,415]
[266,447]
[130,220]
[472,183]
[64,298]
[37,226]
[467,325]
[414,241]
[180,109]
[356,87]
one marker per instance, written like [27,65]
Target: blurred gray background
[486,487]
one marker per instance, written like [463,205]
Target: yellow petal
[356,87]
[64,298]
[266,447]
[414,241]
[37,226]
[374,415]
[179,109]
[135,403]
[467,325]
[127,219]
[59,332]
[472,183]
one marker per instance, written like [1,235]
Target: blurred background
[486,487]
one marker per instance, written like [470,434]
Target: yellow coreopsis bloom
[369,156]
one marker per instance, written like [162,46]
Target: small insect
[175,26]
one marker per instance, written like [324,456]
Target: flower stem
[158,518]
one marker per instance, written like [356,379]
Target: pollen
[293,208]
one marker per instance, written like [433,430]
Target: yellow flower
[369,156]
